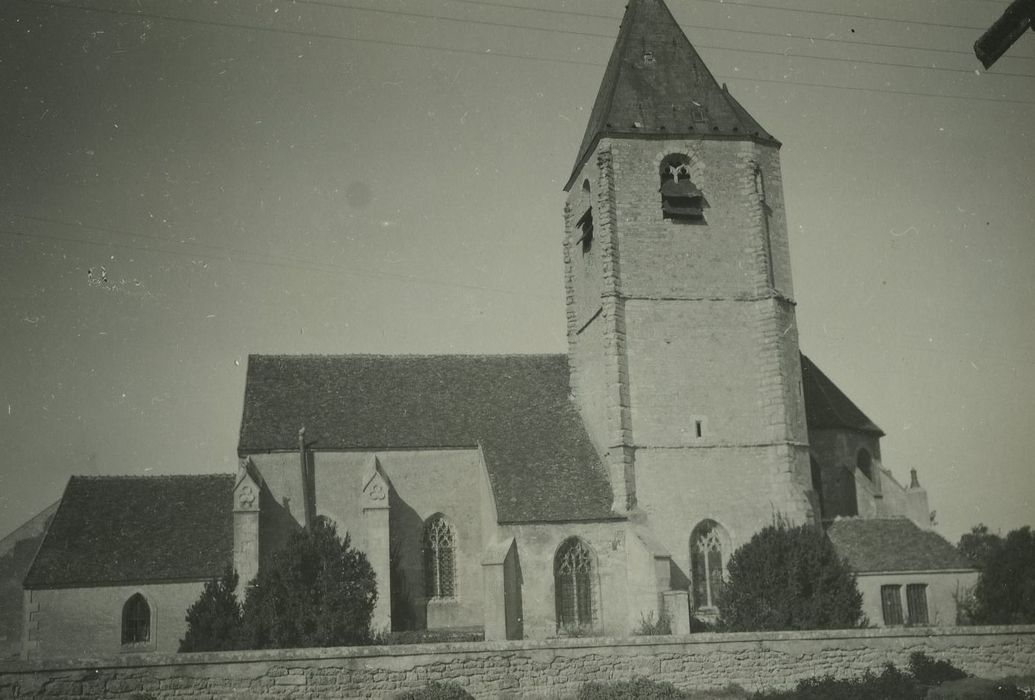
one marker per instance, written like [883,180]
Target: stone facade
[543,669]
[81,621]
[417,484]
[682,341]
[16,553]
[683,364]
[942,591]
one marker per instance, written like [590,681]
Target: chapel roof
[136,529]
[656,86]
[517,408]
[874,545]
[827,407]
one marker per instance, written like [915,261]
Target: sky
[182,184]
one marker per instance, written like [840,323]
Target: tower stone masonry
[683,346]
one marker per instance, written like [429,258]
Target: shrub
[978,545]
[931,672]
[317,591]
[437,691]
[214,620]
[1005,591]
[927,679]
[891,684]
[978,689]
[651,626]
[790,578]
[636,689]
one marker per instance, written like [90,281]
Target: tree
[214,620]
[789,578]
[317,591]
[978,545]
[1005,591]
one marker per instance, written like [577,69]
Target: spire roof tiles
[656,86]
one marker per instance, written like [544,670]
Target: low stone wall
[542,669]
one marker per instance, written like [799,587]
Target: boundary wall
[521,669]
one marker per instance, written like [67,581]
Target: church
[533,496]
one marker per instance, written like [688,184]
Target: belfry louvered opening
[681,199]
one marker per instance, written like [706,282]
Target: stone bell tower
[682,339]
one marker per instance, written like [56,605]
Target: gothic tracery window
[439,558]
[136,620]
[681,199]
[706,564]
[574,578]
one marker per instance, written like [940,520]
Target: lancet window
[439,558]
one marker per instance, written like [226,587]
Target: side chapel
[543,495]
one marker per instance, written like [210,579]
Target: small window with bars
[439,558]
[136,620]
[916,603]
[891,604]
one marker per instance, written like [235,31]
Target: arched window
[864,461]
[439,558]
[706,542]
[574,577]
[681,200]
[136,620]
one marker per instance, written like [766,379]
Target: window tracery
[706,564]
[681,199]
[574,576]
[439,558]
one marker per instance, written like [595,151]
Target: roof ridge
[155,477]
[410,355]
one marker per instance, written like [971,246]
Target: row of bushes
[926,678]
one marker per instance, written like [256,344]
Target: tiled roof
[136,529]
[656,86]
[541,463]
[827,407]
[892,544]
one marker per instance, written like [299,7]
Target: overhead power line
[554,30]
[611,37]
[830,13]
[484,52]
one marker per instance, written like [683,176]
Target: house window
[681,200]
[585,224]
[573,576]
[136,620]
[706,564]
[891,604]
[439,558]
[916,603]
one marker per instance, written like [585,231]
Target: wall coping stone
[495,647]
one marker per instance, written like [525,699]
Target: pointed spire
[656,85]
